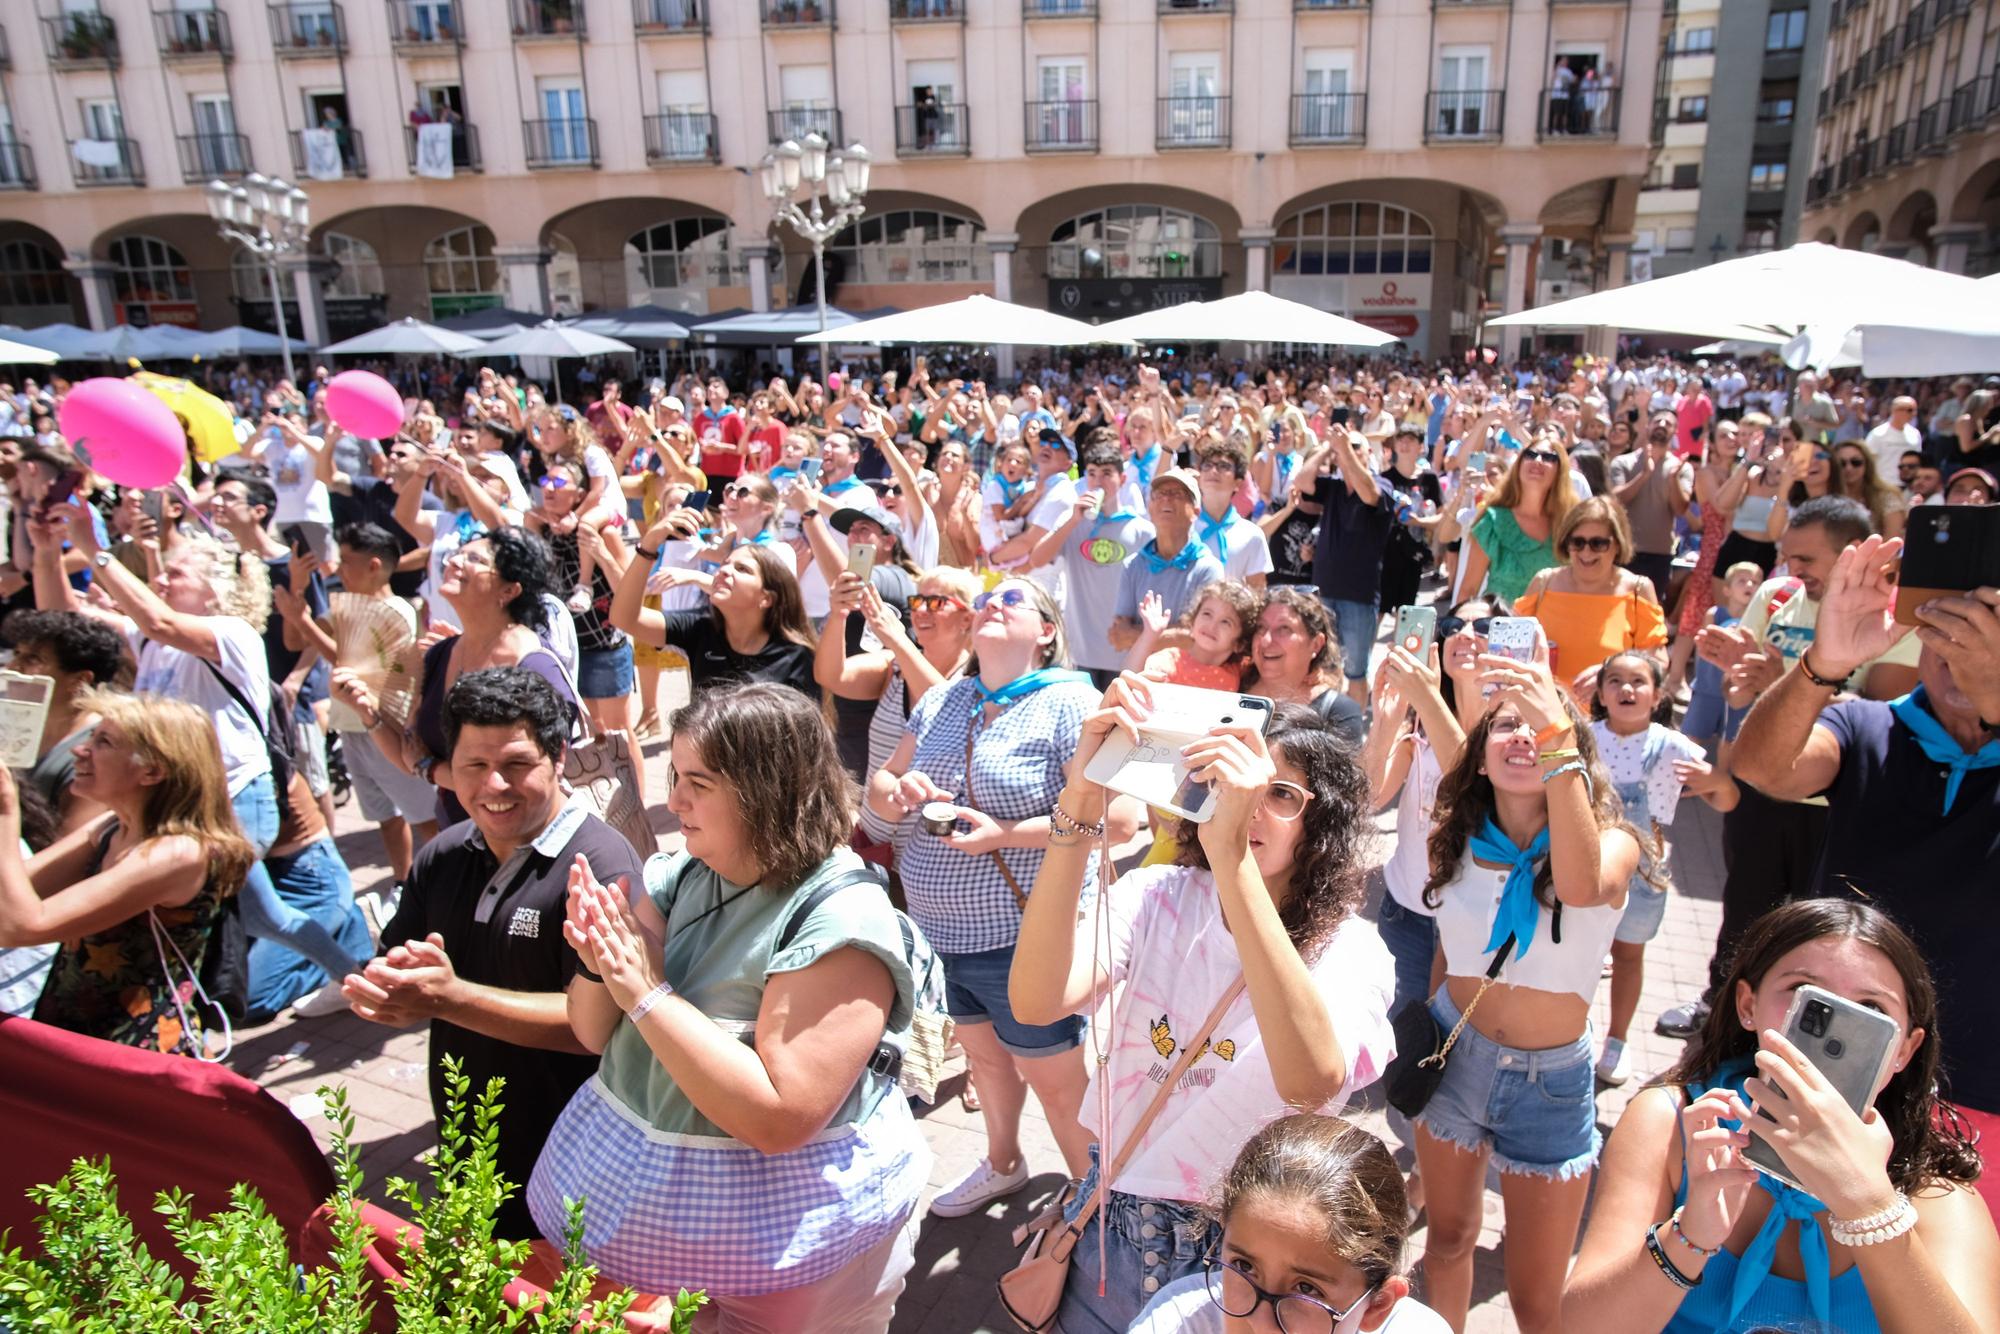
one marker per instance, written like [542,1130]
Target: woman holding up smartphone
[1687,1236]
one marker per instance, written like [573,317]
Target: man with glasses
[1173,566]
[1655,489]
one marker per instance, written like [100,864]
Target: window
[1767,175]
[148,269]
[360,269]
[462,262]
[687,252]
[914,246]
[1785,30]
[1136,241]
[1361,237]
[31,274]
[1692,110]
[1687,175]
[1680,240]
[1775,111]
[1760,235]
[1698,42]
[249,279]
[1646,243]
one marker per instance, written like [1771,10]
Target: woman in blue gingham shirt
[1025,714]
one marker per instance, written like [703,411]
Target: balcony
[191,34]
[798,13]
[1061,127]
[537,20]
[654,18]
[1819,185]
[204,157]
[1464,115]
[80,39]
[936,129]
[1930,128]
[1191,122]
[1471,4]
[1581,116]
[1196,6]
[1967,107]
[17,166]
[927,11]
[556,144]
[421,27]
[798,122]
[1314,6]
[308,28]
[464,147]
[353,159]
[1917,24]
[1896,144]
[1058,9]
[682,136]
[125,168]
[1329,118]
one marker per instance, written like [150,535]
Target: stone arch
[203,302]
[34,289]
[399,236]
[1910,225]
[1863,232]
[682,254]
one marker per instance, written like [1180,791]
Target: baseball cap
[671,402]
[844,519]
[1182,478]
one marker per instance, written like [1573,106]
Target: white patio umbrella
[20,354]
[238,341]
[1781,292]
[124,342]
[405,337]
[976,320]
[550,339]
[1249,317]
[65,340]
[1964,342]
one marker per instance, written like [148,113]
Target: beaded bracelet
[1064,825]
[1876,1228]
[1705,1252]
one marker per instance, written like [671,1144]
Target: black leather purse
[1422,1044]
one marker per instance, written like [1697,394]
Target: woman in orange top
[1590,606]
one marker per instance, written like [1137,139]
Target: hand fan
[374,640]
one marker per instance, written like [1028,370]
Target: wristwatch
[101,560]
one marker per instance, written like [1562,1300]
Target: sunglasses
[1855,463]
[891,489]
[554,483]
[1454,625]
[936,602]
[1821,456]
[739,493]
[1008,597]
[1588,544]
[1547,456]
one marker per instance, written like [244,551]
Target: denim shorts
[975,992]
[604,673]
[1147,1245]
[1645,909]
[1355,624]
[1537,1110]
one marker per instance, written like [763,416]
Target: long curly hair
[1327,877]
[242,582]
[1929,1148]
[1465,801]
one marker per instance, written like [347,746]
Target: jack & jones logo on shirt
[526,922]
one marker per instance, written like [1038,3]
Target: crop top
[1466,907]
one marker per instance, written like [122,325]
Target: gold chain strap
[1436,1058]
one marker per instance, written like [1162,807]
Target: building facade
[1907,157]
[1402,162]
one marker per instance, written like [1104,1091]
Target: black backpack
[281,738]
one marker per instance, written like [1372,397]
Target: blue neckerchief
[1116,516]
[1519,913]
[1158,564]
[844,485]
[1507,440]
[1789,1205]
[781,473]
[1011,491]
[468,528]
[1217,529]
[1024,685]
[765,537]
[1913,711]
[1286,464]
[1144,464]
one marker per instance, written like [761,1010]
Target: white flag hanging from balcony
[102,153]
[322,151]
[434,150]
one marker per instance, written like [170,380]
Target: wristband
[1805,666]
[1570,753]
[650,555]
[1552,731]
[1573,767]
[424,767]
[648,1001]
[583,971]
[1666,1266]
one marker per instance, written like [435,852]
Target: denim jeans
[314,881]
[1412,941]
[1147,1245]
[266,916]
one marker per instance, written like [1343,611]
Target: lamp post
[844,175]
[268,217]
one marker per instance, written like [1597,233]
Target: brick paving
[951,1290]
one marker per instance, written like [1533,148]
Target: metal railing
[1966,107]
[797,13]
[1930,128]
[17,166]
[926,11]
[1819,185]
[308,28]
[464,147]
[569,142]
[1916,24]
[1195,6]
[1581,113]
[129,169]
[1307,6]
[1464,113]
[547,18]
[353,157]
[1058,9]
[798,122]
[1896,144]
[1191,122]
[424,25]
[657,16]
[192,34]
[682,136]
[936,129]
[1061,127]
[82,37]
[1329,118]
[207,156]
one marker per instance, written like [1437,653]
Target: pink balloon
[124,431]
[365,404]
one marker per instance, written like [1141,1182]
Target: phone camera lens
[1814,1020]
[1228,717]
[1834,1048]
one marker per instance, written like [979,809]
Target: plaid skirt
[665,1211]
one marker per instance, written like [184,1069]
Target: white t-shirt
[1184,1307]
[1049,514]
[1888,443]
[1729,390]
[1172,958]
[302,496]
[1625,756]
[992,500]
[1409,866]
[920,535]
[177,674]
[1245,549]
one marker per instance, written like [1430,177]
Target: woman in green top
[1511,537]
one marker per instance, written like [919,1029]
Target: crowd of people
[1532,608]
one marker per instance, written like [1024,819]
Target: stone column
[309,274]
[1257,258]
[100,298]
[1001,246]
[1952,243]
[524,277]
[1618,267]
[757,254]
[1520,238]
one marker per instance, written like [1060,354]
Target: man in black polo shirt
[1356,513]
[373,500]
[1912,786]
[477,947]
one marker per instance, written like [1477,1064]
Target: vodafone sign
[1395,305]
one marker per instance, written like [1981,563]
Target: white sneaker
[1614,1067]
[327,1000]
[978,1188]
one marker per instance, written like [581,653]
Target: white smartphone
[1152,770]
[1513,637]
[1849,1043]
